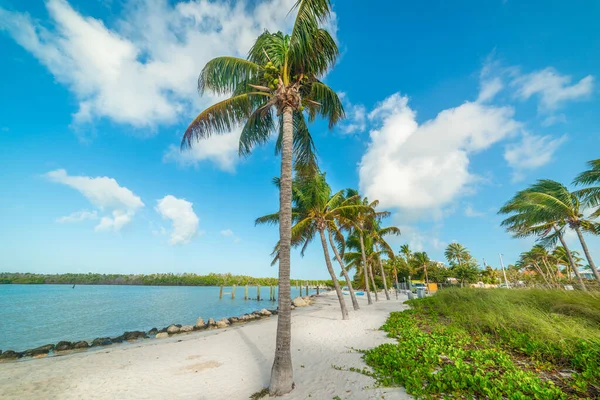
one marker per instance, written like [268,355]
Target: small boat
[359,293]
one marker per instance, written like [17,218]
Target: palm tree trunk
[539,270]
[551,275]
[570,257]
[365,268]
[426,279]
[396,282]
[336,284]
[346,277]
[385,288]
[282,373]
[587,254]
[373,283]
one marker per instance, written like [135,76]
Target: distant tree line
[184,279]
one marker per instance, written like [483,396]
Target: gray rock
[200,323]
[211,323]
[173,329]
[134,335]
[63,345]
[81,345]
[234,320]
[38,351]
[152,332]
[162,335]
[104,341]
[299,302]
[186,328]
[223,323]
[10,355]
[265,313]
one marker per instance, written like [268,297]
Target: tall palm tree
[377,233]
[315,211]
[529,217]
[421,260]
[277,85]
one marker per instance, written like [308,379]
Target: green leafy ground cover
[494,344]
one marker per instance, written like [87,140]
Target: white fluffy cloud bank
[182,216]
[117,203]
[425,166]
[142,68]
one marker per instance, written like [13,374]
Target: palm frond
[221,118]
[330,106]
[222,75]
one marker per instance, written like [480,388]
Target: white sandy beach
[230,363]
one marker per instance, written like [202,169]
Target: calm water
[34,315]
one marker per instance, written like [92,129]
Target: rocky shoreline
[65,347]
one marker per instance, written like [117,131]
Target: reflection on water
[34,315]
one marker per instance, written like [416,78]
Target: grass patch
[259,395]
[516,344]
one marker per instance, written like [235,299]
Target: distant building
[587,273]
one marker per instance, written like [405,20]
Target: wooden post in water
[221,292]
[307,289]
[246,292]
[317,289]
[233,292]
[258,292]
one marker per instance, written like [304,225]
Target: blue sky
[451,109]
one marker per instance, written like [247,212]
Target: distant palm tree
[315,211]
[358,225]
[377,233]
[456,253]
[533,214]
[421,260]
[278,82]
[561,256]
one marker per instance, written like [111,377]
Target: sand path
[227,364]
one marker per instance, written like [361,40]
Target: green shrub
[494,344]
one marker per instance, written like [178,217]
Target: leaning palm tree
[555,200]
[272,90]
[529,218]
[377,233]
[591,195]
[315,211]
[561,257]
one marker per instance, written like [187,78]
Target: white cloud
[356,116]
[182,216]
[533,151]
[489,89]
[426,166]
[471,212]
[105,194]
[141,69]
[552,88]
[78,216]
[554,119]
[229,233]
